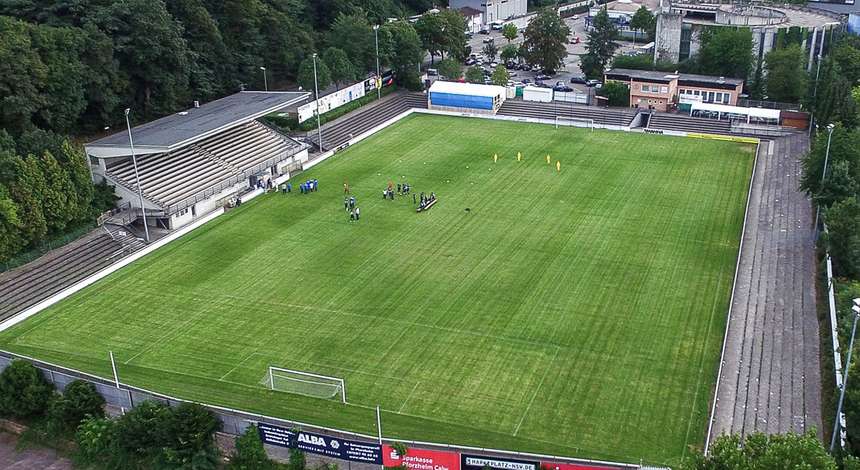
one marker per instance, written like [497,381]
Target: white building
[493,10]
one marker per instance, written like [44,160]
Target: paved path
[29,459]
[771,380]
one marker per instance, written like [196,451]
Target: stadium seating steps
[601,116]
[684,123]
[169,178]
[53,272]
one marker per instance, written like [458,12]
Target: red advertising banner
[572,466]
[421,459]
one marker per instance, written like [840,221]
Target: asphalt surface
[29,459]
[770,380]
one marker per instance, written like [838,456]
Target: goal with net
[575,122]
[306,383]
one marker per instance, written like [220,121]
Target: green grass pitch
[575,313]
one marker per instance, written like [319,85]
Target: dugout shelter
[466,97]
[192,162]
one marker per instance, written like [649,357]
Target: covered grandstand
[192,162]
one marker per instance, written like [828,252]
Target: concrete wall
[668,41]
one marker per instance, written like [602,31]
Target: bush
[297,460]
[144,429]
[843,237]
[24,392]
[250,453]
[80,399]
[96,439]
[190,435]
[618,93]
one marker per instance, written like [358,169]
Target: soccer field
[577,313]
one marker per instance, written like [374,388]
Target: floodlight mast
[136,175]
[837,423]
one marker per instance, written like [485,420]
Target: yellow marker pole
[519,156]
[558,166]
[495,158]
[547,160]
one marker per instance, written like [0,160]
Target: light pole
[817,72]
[378,76]
[830,128]
[265,80]
[836,424]
[136,175]
[317,96]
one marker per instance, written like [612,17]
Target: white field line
[400,410]
[534,396]
[237,365]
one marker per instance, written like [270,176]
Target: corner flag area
[571,301]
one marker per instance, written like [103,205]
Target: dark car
[562,88]
[578,79]
[526,81]
[591,83]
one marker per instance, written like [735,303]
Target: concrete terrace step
[677,122]
[604,116]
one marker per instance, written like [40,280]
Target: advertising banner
[320,444]
[479,462]
[572,466]
[421,459]
[332,101]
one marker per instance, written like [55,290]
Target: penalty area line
[237,366]
[545,373]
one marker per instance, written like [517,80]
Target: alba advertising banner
[319,444]
[479,462]
[421,459]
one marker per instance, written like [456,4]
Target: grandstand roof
[186,127]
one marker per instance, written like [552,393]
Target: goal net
[305,383]
[575,122]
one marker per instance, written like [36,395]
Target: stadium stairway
[27,285]
[621,117]
[684,123]
[341,130]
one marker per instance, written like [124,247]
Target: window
[697,93]
[719,97]
[726,98]
[645,88]
[664,89]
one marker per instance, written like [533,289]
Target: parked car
[485,29]
[494,64]
[511,65]
[578,79]
[512,74]
[526,81]
[471,61]
[574,40]
[432,72]
[575,17]
[488,40]
[542,76]
[542,85]
[562,88]
[497,25]
[592,83]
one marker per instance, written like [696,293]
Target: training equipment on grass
[574,122]
[306,383]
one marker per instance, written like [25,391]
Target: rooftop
[666,76]
[469,11]
[185,127]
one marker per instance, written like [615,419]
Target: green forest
[68,69]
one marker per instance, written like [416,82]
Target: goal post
[306,383]
[574,122]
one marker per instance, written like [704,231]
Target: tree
[149,46]
[339,65]
[20,76]
[430,29]
[838,185]
[843,238]
[786,74]
[500,76]
[353,34]
[510,31]
[474,74]
[250,453]
[190,436]
[844,146]
[644,20]
[618,93]
[403,52]
[96,440]
[24,392]
[209,59]
[762,452]
[833,102]
[454,33]
[450,69]
[726,52]
[58,204]
[601,45]
[27,190]
[509,52]
[144,428]
[10,225]
[306,75]
[490,50]
[545,41]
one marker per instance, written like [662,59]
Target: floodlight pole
[265,79]
[317,95]
[136,175]
[378,76]
[836,424]
[379,430]
[830,128]
[817,72]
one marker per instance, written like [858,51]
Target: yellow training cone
[558,166]
[547,160]
[519,156]
[495,158]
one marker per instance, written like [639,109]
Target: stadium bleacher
[684,123]
[601,116]
[340,131]
[25,286]
[169,178]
